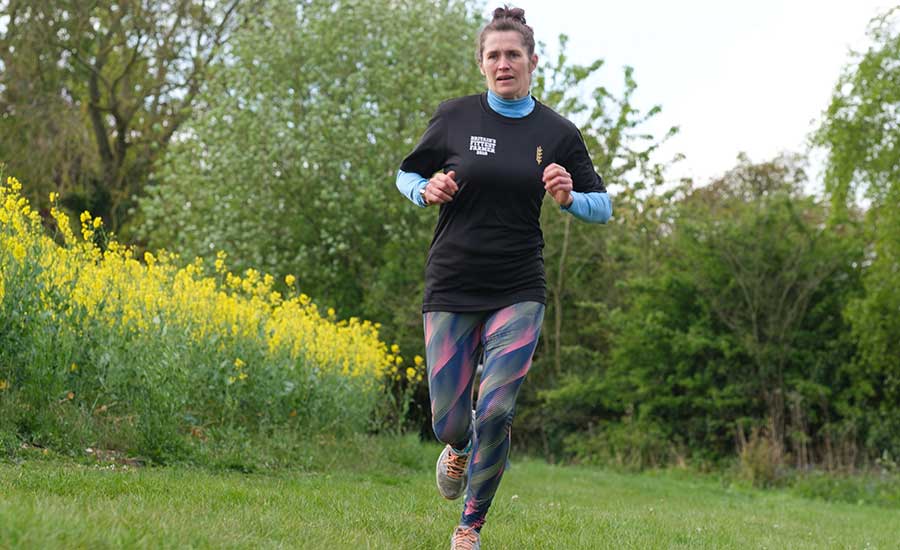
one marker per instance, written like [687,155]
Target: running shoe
[452,471]
[465,538]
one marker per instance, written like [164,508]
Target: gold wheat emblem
[539,154]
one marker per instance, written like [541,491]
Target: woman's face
[506,65]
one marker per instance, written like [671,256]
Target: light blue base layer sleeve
[409,183]
[590,207]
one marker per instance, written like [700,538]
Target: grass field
[388,500]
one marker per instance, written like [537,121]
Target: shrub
[761,460]
[629,445]
[882,489]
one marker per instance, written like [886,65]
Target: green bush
[627,445]
[872,488]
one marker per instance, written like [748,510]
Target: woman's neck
[513,108]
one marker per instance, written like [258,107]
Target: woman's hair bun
[507,19]
[507,12]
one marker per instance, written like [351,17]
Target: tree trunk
[775,405]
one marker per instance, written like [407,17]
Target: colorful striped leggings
[453,341]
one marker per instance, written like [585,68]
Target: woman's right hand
[441,188]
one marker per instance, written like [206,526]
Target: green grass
[388,500]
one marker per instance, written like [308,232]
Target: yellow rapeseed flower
[82,286]
[18,251]
[220,262]
[4,384]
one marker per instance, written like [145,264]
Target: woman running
[493,156]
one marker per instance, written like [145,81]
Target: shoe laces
[465,538]
[456,465]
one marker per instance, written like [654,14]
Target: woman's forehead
[503,40]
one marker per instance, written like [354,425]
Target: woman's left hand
[558,182]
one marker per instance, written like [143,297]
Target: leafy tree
[585,263]
[861,127]
[861,132]
[735,327]
[289,167]
[623,153]
[91,93]
[759,252]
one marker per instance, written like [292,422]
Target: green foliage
[860,128]
[881,489]
[96,90]
[875,326]
[290,164]
[758,252]
[586,263]
[158,396]
[628,445]
[861,132]
[726,332]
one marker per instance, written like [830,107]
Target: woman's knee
[497,416]
[452,432]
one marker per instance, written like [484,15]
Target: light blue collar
[512,108]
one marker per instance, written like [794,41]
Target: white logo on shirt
[482,145]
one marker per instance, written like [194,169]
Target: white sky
[734,75]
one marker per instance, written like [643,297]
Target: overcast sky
[734,75]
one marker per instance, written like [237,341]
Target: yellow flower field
[191,345]
[114,287]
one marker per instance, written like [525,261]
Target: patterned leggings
[508,337]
